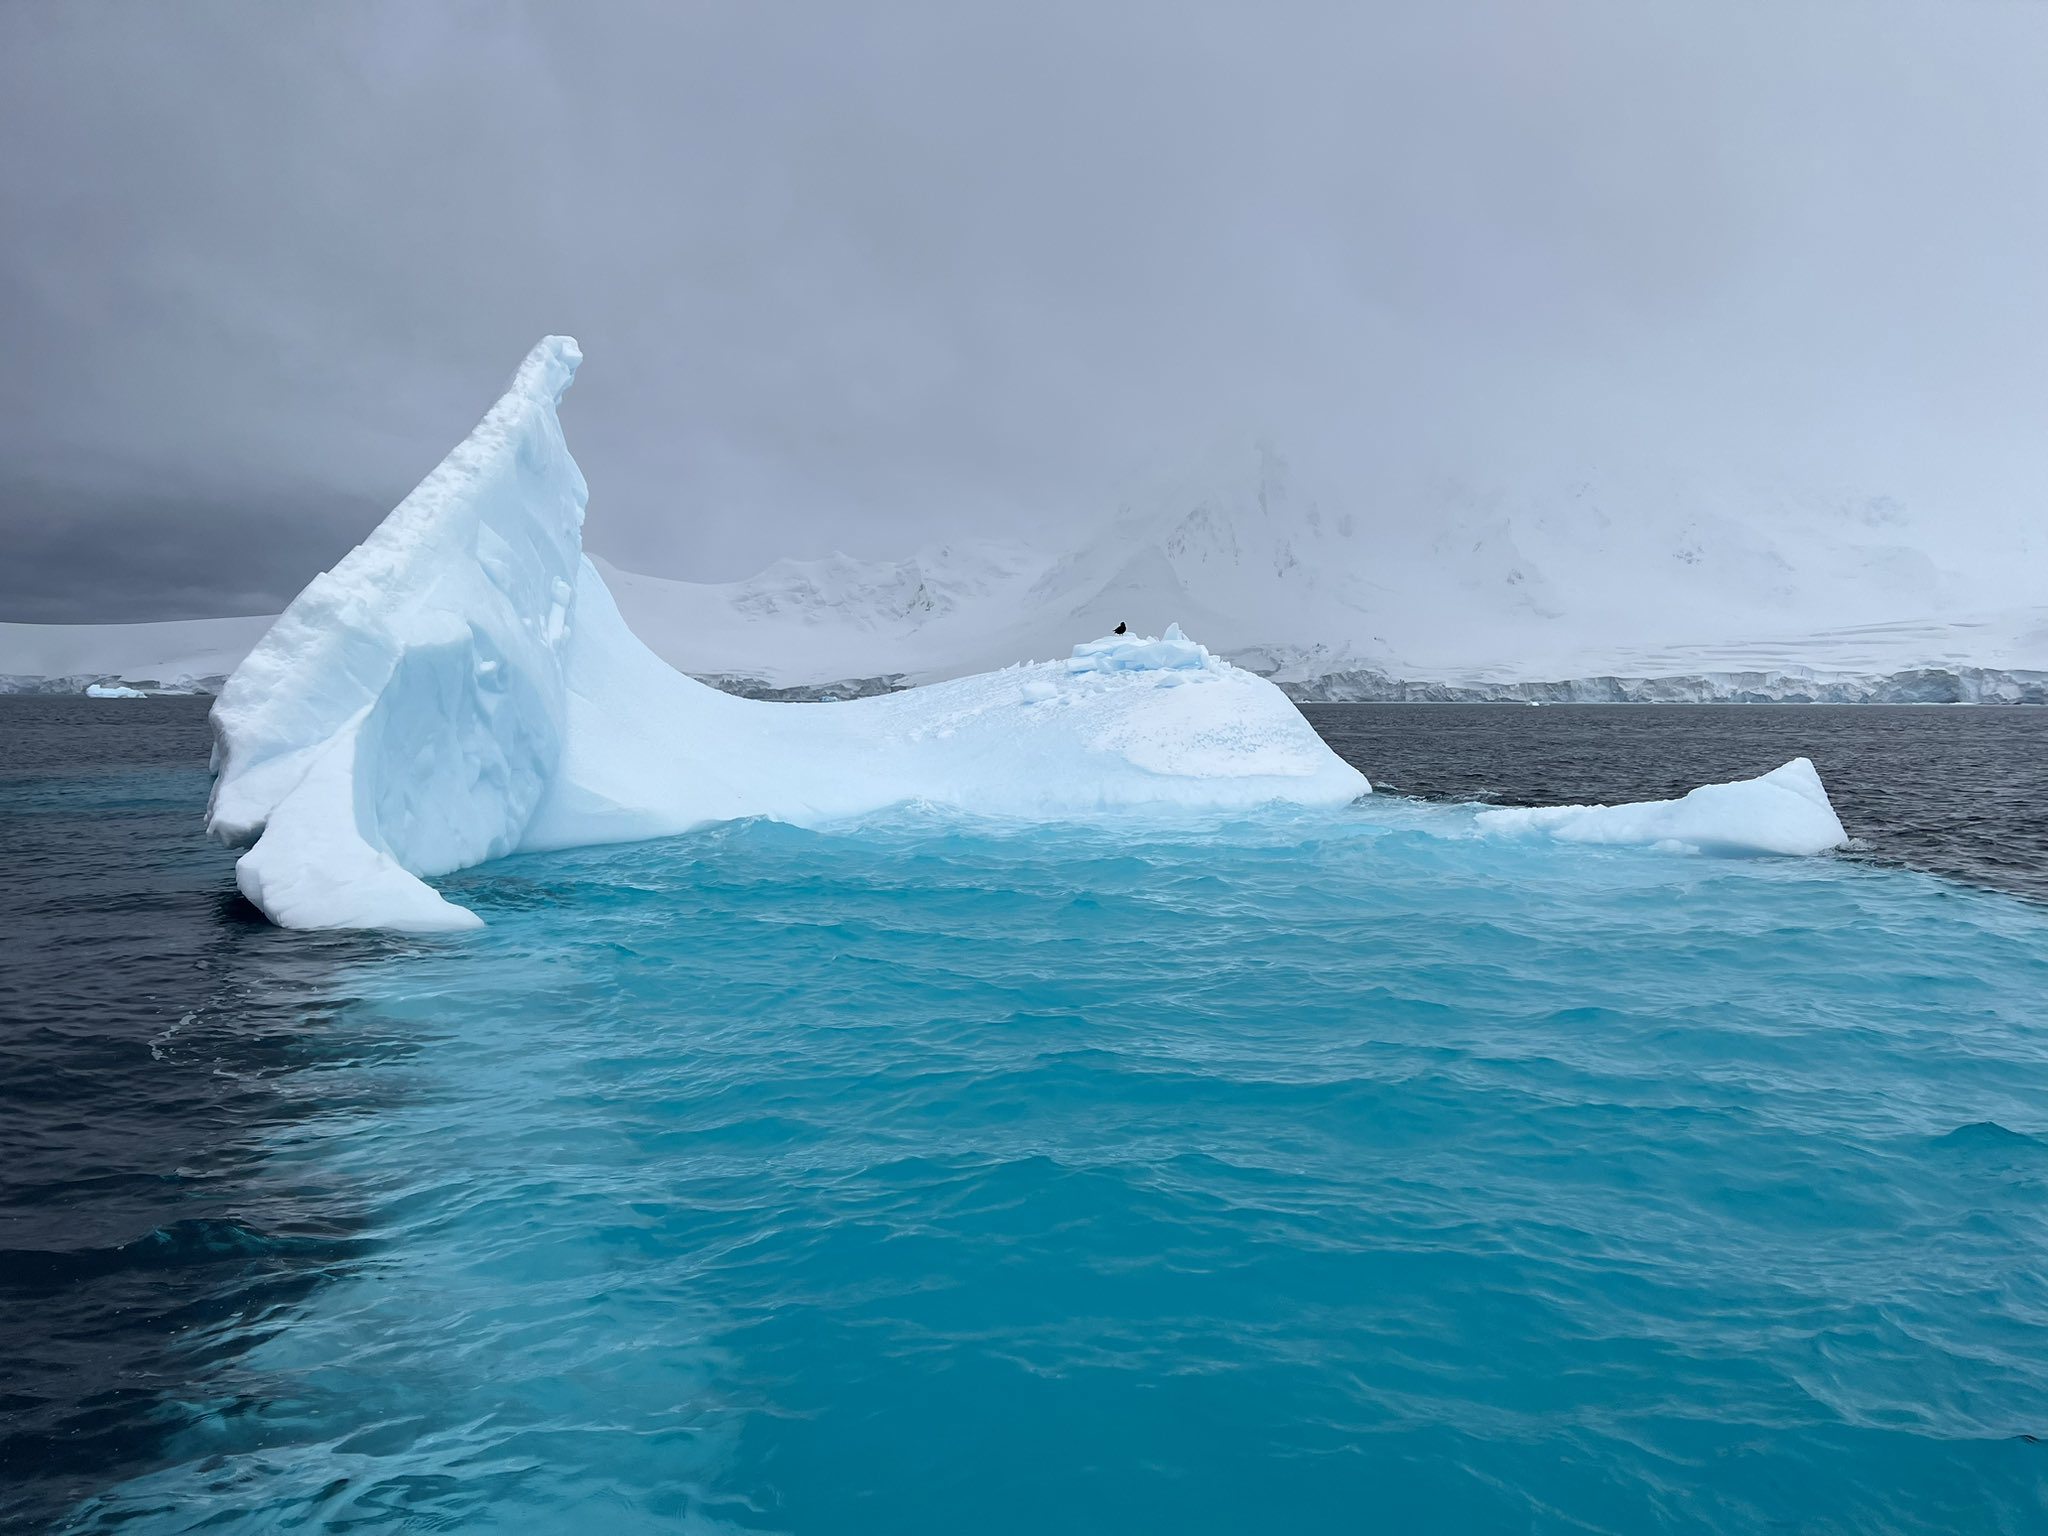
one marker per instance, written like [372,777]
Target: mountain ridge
[1583,588]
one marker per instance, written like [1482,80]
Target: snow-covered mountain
[179,656]
[1577,587]
[1742,590]
[807,622]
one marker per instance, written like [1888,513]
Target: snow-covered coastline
[1566,603]
[179,656]
[197,656]
[1917,685]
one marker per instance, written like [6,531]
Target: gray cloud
[859,277]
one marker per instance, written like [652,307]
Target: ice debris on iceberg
[1785,811]
[461,686]
[1173,652]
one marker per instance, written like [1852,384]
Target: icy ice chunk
[113,691]
[1784,811]
[1171,652]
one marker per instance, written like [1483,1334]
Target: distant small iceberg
[113,691]
[1785,811]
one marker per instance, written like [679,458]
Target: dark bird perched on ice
[1121,628]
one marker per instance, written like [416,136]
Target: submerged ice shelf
[462,686]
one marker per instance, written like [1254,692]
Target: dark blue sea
[1305,1173]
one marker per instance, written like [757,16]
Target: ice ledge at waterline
[1785,811]
[461,686]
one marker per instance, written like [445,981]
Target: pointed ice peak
[548,370]
[467,584]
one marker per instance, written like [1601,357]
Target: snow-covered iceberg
[462,686]
[1785,811]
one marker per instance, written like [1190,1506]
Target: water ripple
[1306,1174]
[928,1177]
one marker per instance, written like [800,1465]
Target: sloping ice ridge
[461,686]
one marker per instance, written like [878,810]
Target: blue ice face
[1320,1172]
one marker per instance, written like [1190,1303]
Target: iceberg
[113,691]
[462,686]
[1785,811]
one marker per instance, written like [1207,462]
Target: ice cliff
[462,686]
[405,714]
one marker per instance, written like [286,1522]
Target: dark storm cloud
[862,276]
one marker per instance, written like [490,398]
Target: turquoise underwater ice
[1314,1172]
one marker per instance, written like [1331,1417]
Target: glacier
[462,686]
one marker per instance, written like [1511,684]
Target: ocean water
[1335,1172]
[1960,792]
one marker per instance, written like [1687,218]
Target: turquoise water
[1315,1173]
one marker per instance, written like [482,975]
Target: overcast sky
[866,276]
